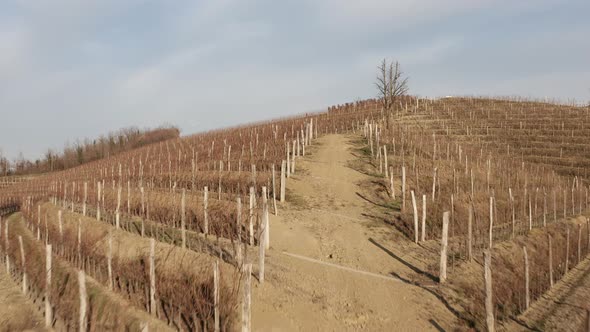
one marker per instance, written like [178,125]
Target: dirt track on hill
[331,265]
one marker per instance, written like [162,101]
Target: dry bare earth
[17,313]
[341,277]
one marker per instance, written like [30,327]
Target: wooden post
[293,159]
[530,215]
[216,294]
[288,162]
[183,218]
[265,218]
[24,266]
[283,180]
[550,261]
[391,186]
[579,243]
[434,184]
[247,304]
[491,222]
[110,260]
[470,233]
[443,250]
[526,279]
[85,198]
[142,192]
[7,245]
[423,218]
[251,216]
[385,160]
[489,304]
[206,214]
[544,208]
[83,300]
[274,191]
[261,251]
[415,207]
[128,197]
[567,251]
[403,188]
[239,259]
[61,228]
[79,248]
[513,213]
[98,201]
[48,309]
[38,222]
[152,277]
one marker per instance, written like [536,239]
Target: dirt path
[17,313]
[330,266]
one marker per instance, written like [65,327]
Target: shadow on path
[410,266]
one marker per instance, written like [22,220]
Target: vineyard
[488,198]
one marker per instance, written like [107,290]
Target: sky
[72,69]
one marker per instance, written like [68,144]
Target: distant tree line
[87,150]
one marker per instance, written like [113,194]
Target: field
[357,218]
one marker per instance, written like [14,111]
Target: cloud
[71,69]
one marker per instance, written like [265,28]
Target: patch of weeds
[296,200]
[392,205]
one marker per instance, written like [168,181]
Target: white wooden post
[423,218]
[80,263]
[98,201]
[491,222]
[265,218]
[550,261]
[443,250]
[48,309]
[489,304]
[206,214]
[567,251]
[283,180]
[183,218]
[470,233]
[24,266]
[38,222]
[391,186]
[83,300]
[403,188]
[85,198]
[385,160]
[247,304]
[415,207]
[239,258]
[110,260]
[216,294]
[274,190]
[261,250]
[434,183]
[7,245]
[152,277]
[526,279]
[251,216]
[288,162]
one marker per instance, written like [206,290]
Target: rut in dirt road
[331,264]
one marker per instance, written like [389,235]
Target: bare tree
[382,83]
[398,84]
[390,82]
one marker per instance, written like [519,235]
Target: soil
[333,261]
